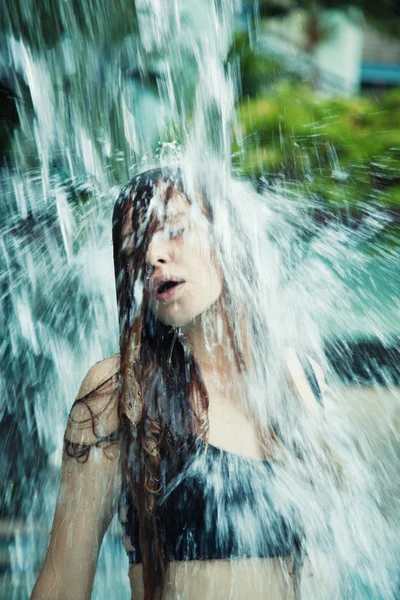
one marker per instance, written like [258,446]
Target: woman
[168,422]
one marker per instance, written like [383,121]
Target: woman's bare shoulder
[98,374]
[94,412]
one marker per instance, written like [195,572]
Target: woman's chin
[178,315]
[178,321]
[178,318]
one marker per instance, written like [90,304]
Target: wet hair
[154,370]
[162,399]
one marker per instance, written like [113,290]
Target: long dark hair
[159,379]
[161,397]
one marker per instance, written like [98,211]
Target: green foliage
[345,151]
[255,67]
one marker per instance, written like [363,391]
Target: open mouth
[167,285]
[167,289]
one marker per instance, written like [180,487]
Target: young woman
[163,431]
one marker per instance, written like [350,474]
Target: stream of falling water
[117,78]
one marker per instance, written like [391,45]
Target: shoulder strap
[312,379]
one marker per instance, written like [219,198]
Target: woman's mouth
[168,290]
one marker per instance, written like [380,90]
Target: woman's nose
[159,251]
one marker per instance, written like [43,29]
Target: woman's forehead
[159,210]
[166,208]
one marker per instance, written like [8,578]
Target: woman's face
[184,280]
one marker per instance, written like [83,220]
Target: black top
[219,505]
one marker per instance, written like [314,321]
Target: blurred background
[90,94]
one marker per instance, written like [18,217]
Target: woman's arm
[88,496]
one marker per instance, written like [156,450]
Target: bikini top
[218,505]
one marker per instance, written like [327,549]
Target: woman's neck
[210,342]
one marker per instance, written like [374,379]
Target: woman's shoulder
[94,412]
[101,372]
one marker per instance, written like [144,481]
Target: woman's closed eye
[176,229]
[170,231]
[176,232]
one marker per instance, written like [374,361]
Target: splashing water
[97,93]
